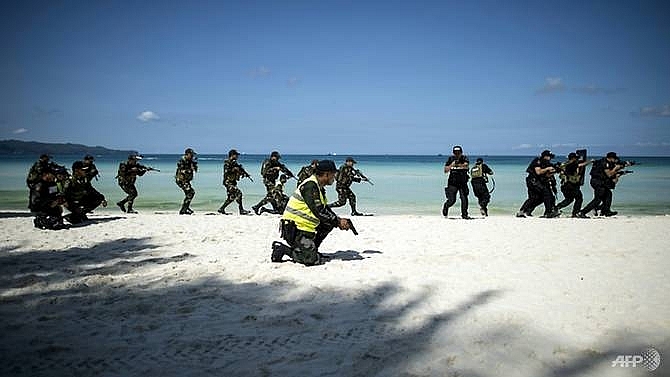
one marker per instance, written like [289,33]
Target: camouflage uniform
[81,197]
[306,171]
[126,178]
[35,175]
[270,172]
[90,169]
[186,168]
[232,173]
[279,198]
[345,176]
[46,204]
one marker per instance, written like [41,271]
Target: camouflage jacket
[232,172]
[128,173]
[305,172]
[185,170]
[91,172]
[269,171]
[346,175]
[35,173]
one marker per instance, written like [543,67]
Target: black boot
[130,209]
[278,251]
[122,205]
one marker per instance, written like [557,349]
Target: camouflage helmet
[233,152]
[275,154]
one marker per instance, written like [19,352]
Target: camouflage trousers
[131,190]
[234,195]
[189,192]
[269,188]
[344,193]
[305,245]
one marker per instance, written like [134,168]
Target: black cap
[480,160]
[457,148]
[351,159]
[572,155]
[44,155]
[326,166]
[612,155]
[233,152]
[189,150]
[89,157]
[547,152]
[275,154]
[79,165]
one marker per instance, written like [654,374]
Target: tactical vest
[477,171]
[298,211]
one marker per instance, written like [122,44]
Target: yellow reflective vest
[298,211]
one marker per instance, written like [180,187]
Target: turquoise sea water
[402,184]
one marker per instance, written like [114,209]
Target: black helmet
[89,157]
[233,152]
[189,151]
[275,154]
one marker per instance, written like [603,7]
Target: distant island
[18,147]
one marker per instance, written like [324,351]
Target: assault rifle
[244,173]
[624,172]
[366,179]
[145,169]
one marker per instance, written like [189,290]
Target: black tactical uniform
[540,187]
[479,178]
[457,166]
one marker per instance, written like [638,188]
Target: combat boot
[257,210]
[122,205]
[242,210]
[278,251]
[130,209]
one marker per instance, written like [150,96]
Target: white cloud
[260,72]
[19,131]
[551,85]
[648,144]
[654,111]
[524,146]
[148,116]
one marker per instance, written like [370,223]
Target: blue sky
[354,77]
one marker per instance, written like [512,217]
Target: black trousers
[450,191]
[481,192]
[571,192]
[602,198]
[538,192]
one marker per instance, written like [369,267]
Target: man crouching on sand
[307,219]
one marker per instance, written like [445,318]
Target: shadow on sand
[214,327]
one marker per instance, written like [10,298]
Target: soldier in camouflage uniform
[46,202]
[279,198]
[232,173]
[306,171]
[90,169]
[80,196]
[186,168]
[127,176]
[35,174]
[345,176]
[270,172]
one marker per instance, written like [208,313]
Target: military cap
[325,166]
[572,155]
[189,150]
[233,152]
[275,154]
[612,155]
[134,156]
[547,152]
[351,159]
[89,157]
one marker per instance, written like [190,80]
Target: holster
[288,231]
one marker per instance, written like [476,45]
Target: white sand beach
[169,295]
